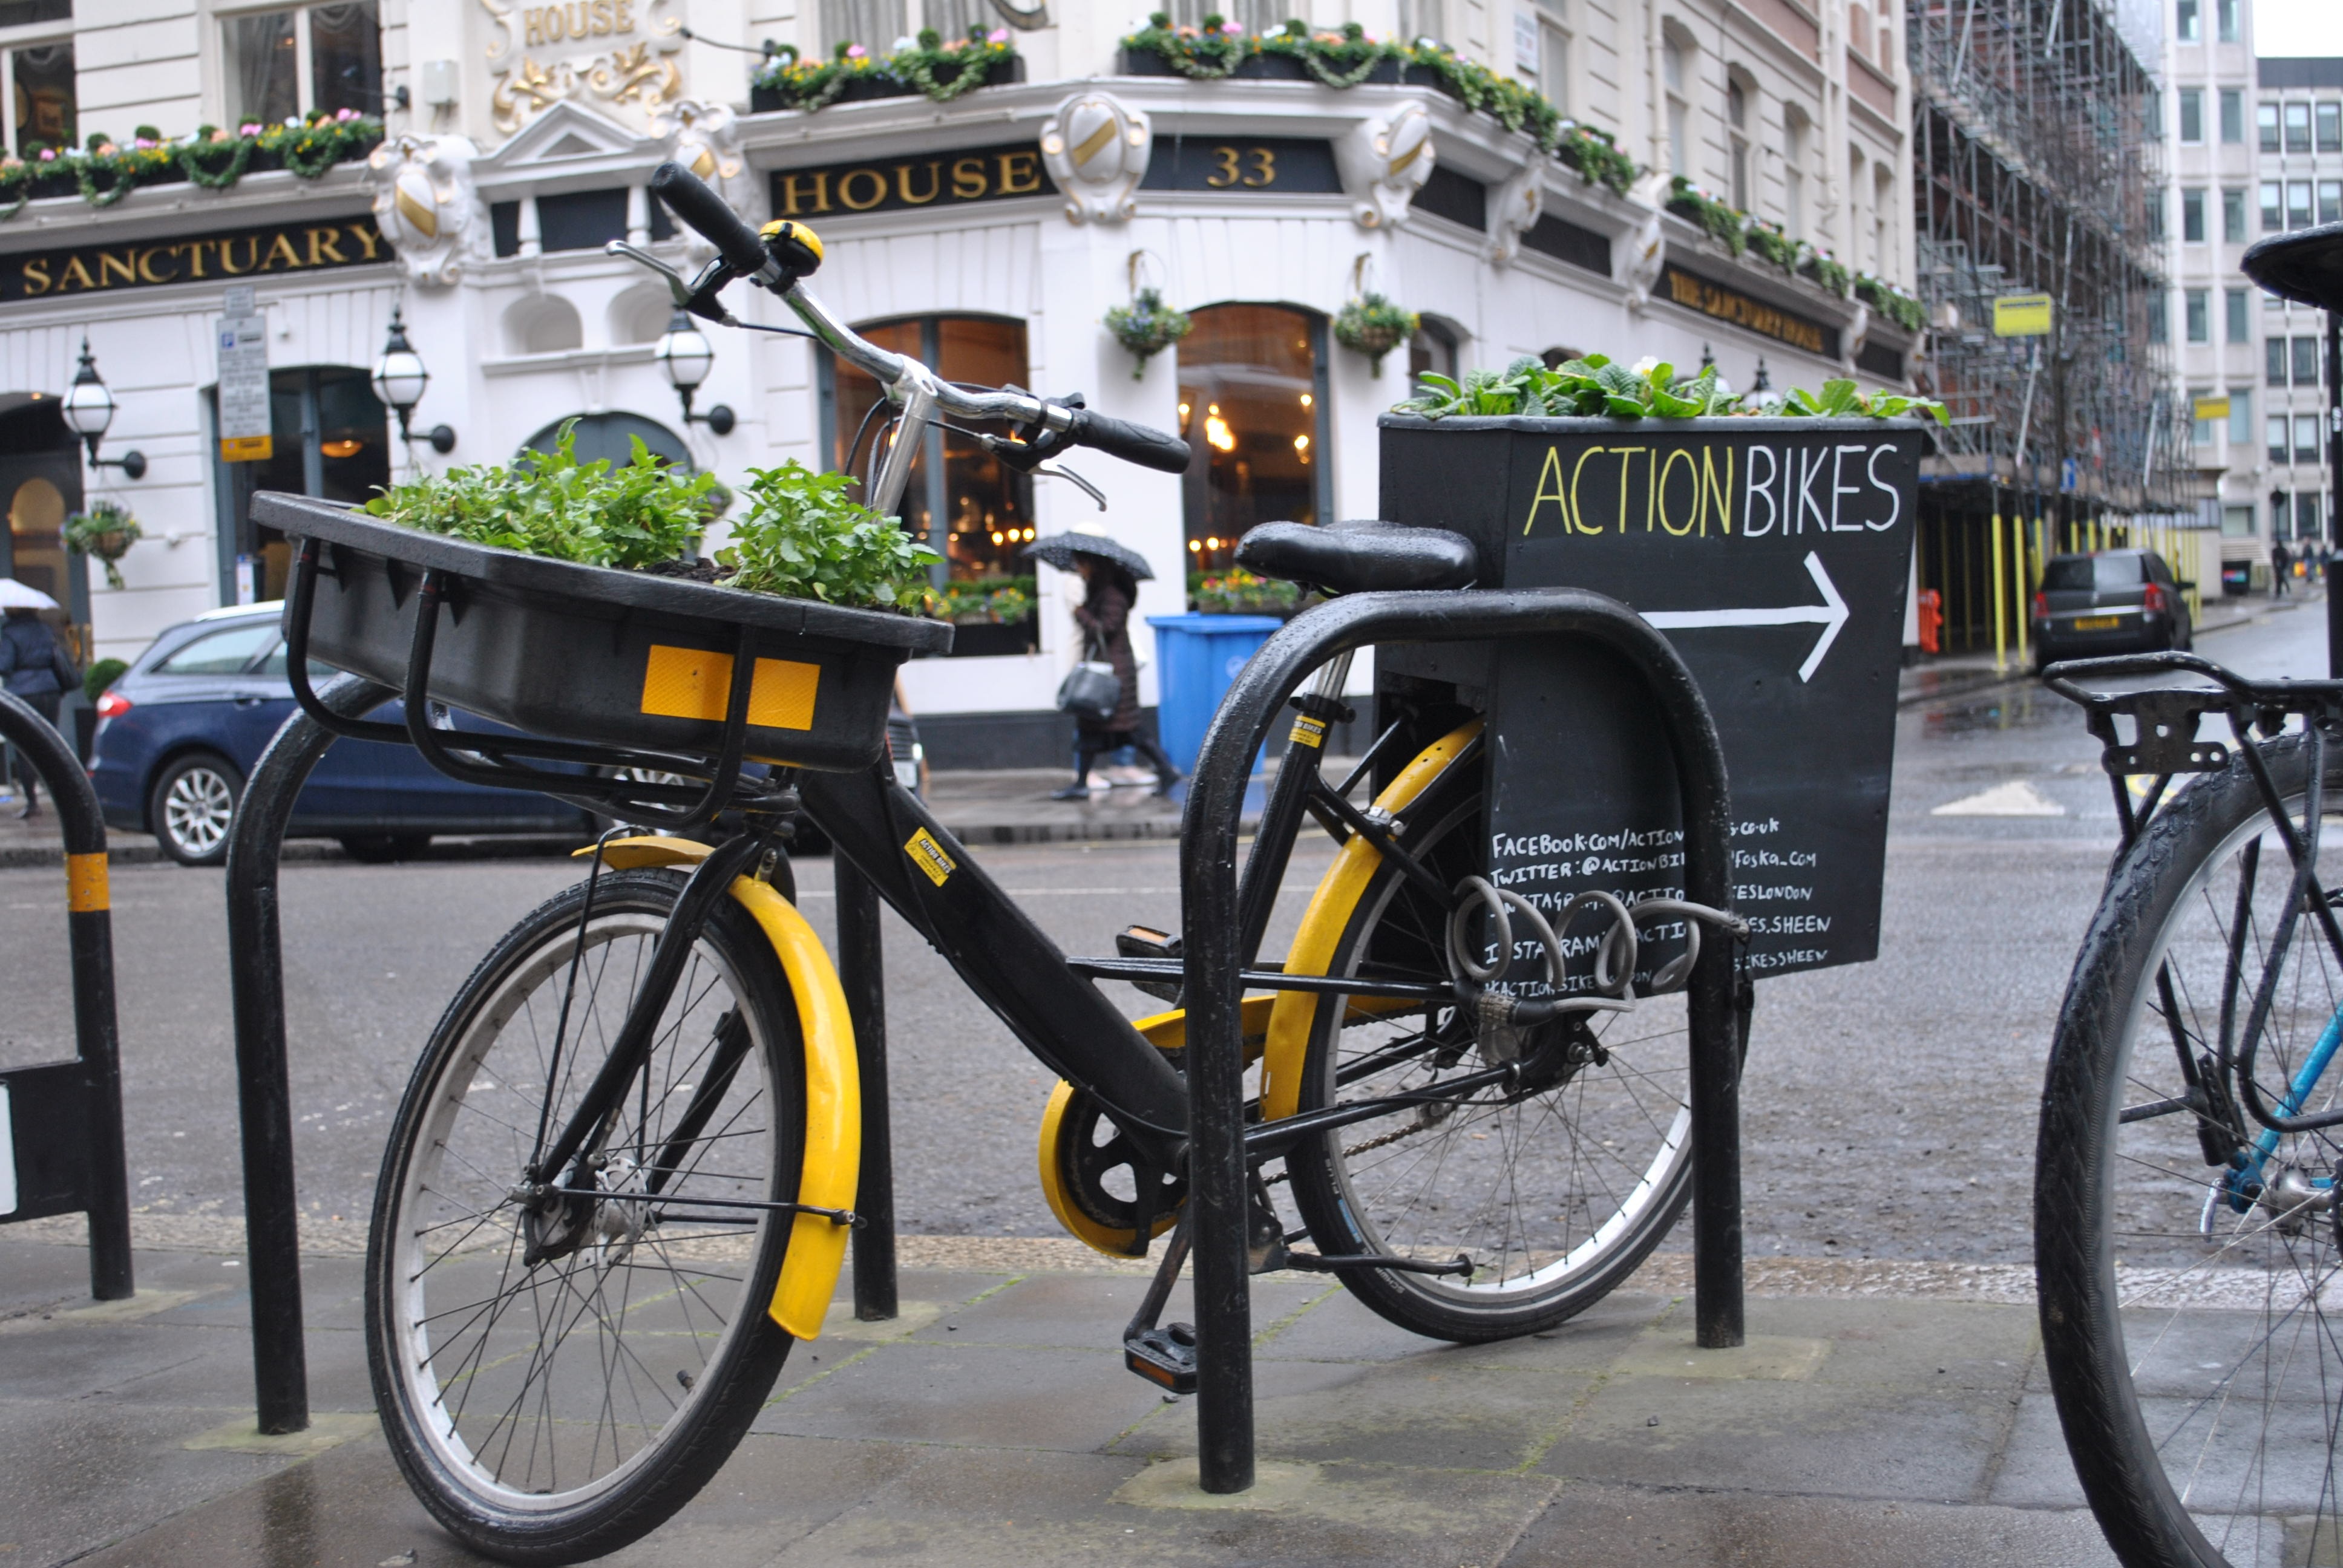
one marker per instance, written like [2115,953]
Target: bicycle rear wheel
[2186,1256]
[1556,1193]
[555,1386]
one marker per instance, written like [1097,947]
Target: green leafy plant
[1725,225]
[1373,325]
[104,171]
[101,675]
[942,69]
[983,601]
[639,513]
[1596,387]
[106,531]
[1146,326]
[1238,592]
[1821,268]
[805,538]
[1899,306]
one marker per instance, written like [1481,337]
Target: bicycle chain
[1410,1131]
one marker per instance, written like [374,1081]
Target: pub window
[973,509]
[284,64]
[37,80]
[330,439]
[1253,405]
[40,485]
[873,23]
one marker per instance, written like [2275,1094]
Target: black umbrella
[1063,550]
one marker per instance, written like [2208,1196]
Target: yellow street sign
[246,448]
[2022,315]
[2212,408]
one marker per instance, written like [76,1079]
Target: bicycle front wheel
[1555,1192]
[556,1381]
[2187,1253]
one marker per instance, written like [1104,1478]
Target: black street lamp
[89,409]
[684,353]
[399,379]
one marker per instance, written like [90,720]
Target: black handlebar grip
[703,209]
[1148,448]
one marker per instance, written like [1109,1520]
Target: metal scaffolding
[2034,167]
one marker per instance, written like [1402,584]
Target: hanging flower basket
[1147,326]
[1373,325]
[106,531]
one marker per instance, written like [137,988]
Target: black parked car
[179,731]
[2111,601]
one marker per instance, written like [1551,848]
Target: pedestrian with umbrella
[1112,574]
[33,667]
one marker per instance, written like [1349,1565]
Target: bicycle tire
[1550,1267]
[669,1402]
[2147,1271]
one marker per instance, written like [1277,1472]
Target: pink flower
[346,115]
[1232,28]
[142,143]
[248,129]
[857,51]
[48,154]
[998,36]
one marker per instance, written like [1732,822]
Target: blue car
[179,732]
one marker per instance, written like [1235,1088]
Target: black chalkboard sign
[1776,555]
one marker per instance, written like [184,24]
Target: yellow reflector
[697,683]
[85,888]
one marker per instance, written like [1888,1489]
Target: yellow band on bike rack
[833,1083]
[1329,915]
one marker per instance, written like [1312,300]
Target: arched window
[1253,405]
[40,485]
[612,436]
[973,509]
[1675,71]
[329,437]
[641,314]
[1859,27]
[543,324]
[1794,126]
[1432,350]
[1736,116]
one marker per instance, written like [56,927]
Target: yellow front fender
[833,1083]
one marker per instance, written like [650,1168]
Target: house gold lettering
[543,24]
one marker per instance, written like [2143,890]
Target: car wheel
[192,805]
[384,848]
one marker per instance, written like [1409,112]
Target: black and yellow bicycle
[621,1184]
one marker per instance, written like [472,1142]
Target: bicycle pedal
[1146,942]
[1164,1356]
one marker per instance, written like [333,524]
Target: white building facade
[991,234]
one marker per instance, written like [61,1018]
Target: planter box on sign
[1776,555]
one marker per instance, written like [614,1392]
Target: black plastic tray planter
[596,655]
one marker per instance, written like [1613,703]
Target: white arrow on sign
[1830,614]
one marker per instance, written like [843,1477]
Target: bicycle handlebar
[745,253]
[689,198]
[1140,443]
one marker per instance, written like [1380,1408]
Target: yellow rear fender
[1332,905]
[833,1083]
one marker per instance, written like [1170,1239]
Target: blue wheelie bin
[1198,656]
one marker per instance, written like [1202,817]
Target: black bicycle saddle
[1362,557]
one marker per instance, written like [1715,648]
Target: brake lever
[1059,471]
[705,288]
[677,286]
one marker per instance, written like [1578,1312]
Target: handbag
[1091,690]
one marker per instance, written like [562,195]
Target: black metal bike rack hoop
[65,1132]
[1208,886]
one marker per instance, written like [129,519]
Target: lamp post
[684,353]
[399,379]
[89,409]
